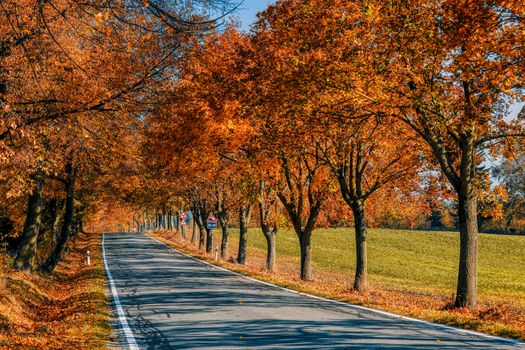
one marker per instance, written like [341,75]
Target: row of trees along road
[323,108]
[75,81]
[324,103]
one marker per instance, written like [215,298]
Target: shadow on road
[172,301]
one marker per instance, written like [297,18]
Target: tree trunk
[194,231]
[27,249]
[243,240]
[52,261]
[202,237]
[306,255]
[360,246]
[224,242]
[223,221]
[244,221]
[208,232]
[268,230]
[468,226]
[200,225]
[209,240]
[270,235]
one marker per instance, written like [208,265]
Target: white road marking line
[358,307]
[128,334]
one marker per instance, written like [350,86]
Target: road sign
[211,221]
[183,215]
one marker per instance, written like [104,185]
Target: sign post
[211,222]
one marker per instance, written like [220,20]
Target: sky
[249,9]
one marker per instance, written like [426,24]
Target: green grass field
[412,260]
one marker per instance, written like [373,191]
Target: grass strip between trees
[65,310]
[399,294]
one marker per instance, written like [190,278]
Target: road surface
[171,301]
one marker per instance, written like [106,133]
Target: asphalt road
[171,301]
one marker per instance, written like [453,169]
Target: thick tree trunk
[306,255]
[27,249]
[52,261]
[270,235]
[244,221]
[360,246]
[466,295]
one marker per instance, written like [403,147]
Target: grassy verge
[411,273]
[66,310]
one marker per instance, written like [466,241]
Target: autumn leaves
[326,106]
[76,80]
[330,101]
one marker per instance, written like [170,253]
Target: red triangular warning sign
[212,218]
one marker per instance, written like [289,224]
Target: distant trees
[511,174]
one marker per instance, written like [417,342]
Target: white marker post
[88,259]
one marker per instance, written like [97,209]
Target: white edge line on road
[384,313]
[128,334]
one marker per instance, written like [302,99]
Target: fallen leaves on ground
[65,310]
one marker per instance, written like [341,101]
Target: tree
[454,68]
[302,192]
[364,158]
